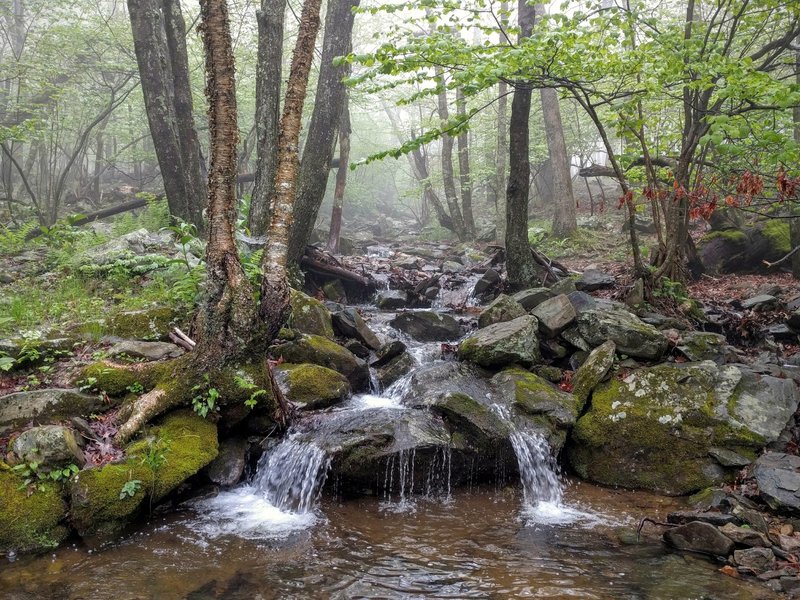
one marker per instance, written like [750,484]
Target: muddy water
[474,545]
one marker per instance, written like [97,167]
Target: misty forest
[402,299]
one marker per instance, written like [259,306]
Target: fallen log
[332,270]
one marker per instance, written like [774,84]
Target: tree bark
[341,179]
[564,220]
[448,178]
[794,224]
[268,110]
[160,47]
[464,175]
[320,142]
[274,285]
[501,150]
[521,266]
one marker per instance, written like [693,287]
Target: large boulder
[145,324]
[138,349]
[697,536]
[778,479]
[501,344]
[228,467]
[50,446]
[503,308]
[47,406]
[532,297]
[312,386]
[30,522]
[321,351]
[428,326]
[742,250]
[662,428]
[554,315]
[350,324]
[632,336]
[309,315]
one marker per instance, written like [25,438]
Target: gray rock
[502,308]
[554,315]
[744,536]
[592,280]
[728,458]
[391,299]
[450,266]
[501,344]
[532,297]
[760,302]
[699,537]
[350,324]
[318,350]
[593,371]
[755,392]
[227,469]
[564,286]
[357,348]
[48,405]
[395,368]
[715,518]
[635,295]
[387,352]
[489,279]
[757,559]
[794,320]
[145,350]
[700,345]
[427,326]
[582,301]
[778,479]
[50,446]
[573,336]
[632,336]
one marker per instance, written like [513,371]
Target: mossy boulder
[312,386]
[146,324]
[170,453]
[593,370]
[631,335]
[503,308]
[117,380]
[321,351]
[743,249]
[502,344]
[309,315]
[30,522]
[661,428]
[47,406]
[702,345]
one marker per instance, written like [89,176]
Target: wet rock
[655,428]
[427,326]
[357,348]
[744,536]
[391,299]
[321,351]
[350,324]
[699,537]
[482,427]
[145,350]
[592,280]
[699,345]
[554,315]
[51,446]
[387,352]
[778,479]
[718,519]
[395,368]
[514,341]
[532,297]
[760,302]
[581,301]
[30,522]
[503,308]
[311,386]
[632,336]
[227,469]
[755,559]
[450,266]
[47,406]
[334,290]
[593,371]
[487,281]
[309,315]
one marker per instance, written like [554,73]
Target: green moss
[315,386]
[470,417]
[309,315]
[115,380]
[321,351]
[535,396]
[30,522]
[147,324]
[777,232]
[735,236]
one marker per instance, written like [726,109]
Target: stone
[51,446]
[357,348]
[728,458]
[782,333]
[321,351]
[334,290]
[778,479]
[563,286]
[47,406]
[793,303]
[387,352]
[794,320]
[635,295]
[553,349]
[632,336]
[760,302]
[427,326]
[593,370]
[656,428]
[311,386]
[228,467]
[146,324]
[432,293]
[744,536]
[395,368]
[699,537]
[488,280]
[572,336]
[554,315]
[592,279]
[501,344]
[30,522]
[700,345]
[581,301]
[391,299]
[790,543]
[450,266]
[715,518]
[756,559]
[145,350]
[309,315]
[350,324]
[531,297]
[502,308]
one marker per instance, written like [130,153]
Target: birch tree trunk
[564,220]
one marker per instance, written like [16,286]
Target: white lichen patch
[618,416]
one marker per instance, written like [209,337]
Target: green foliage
[672,290]
[130,488]
[13,241]
[205,398]
[247,385]
[34,475]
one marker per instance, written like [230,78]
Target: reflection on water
[476,545]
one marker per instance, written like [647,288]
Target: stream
[287,533]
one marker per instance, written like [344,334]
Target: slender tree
[464,175]
[448,176]
[341,179]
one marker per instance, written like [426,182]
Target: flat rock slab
[699,537]
[716,518]
[778,479]
[145,350]
[428,326]
[592,279]
[47,405]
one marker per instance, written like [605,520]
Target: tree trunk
[794,224]
[228,315]
[341,179]
[564,220]
[274,285]
[464,176]
[159,43]
[501,154]
[320,142]
[520,263]
[448,178]
[268,110]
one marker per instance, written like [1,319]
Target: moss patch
[314,386]
[310,315]
[146,324]
[735,236]
[30,523]
[776,231]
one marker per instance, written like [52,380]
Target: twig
[785,258]
[649,520]
[185,341]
